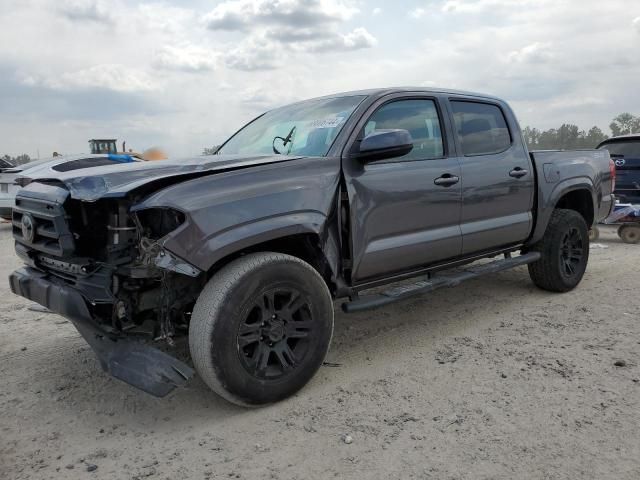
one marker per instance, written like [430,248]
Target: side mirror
[384,144]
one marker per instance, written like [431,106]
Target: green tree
[569,137]
[566,137]
[595,137]
[624,124]
[531,137]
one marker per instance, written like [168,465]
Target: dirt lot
[494,379]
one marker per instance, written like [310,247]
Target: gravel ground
[494,379]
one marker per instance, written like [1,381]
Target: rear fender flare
[547,202]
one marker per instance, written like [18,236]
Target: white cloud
[417,13]
[376,11]
[534,53]
[152,72]
[245,14]
[489,6]
[114,77]
[358,39]
[187,58]
[285,25]
[170,20]
[85,10]
[254,54]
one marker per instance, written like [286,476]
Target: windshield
[307,128]
[624,148]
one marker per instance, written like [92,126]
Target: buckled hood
[113,181]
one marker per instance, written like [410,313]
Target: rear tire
[629,234]
[565,252]
[261,328]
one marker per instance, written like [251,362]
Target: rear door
[498,182]
[625,152]
[405,212]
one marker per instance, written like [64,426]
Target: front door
[405,212]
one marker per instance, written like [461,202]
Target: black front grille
[48,223]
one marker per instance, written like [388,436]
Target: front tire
[261,328]
[565,252]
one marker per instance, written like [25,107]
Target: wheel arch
[580,200]
[576,194]
[312,243]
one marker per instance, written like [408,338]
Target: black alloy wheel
[571,252]
[274,337]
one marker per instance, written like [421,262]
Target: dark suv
[625,152]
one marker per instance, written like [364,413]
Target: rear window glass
[482,128]
[626,148]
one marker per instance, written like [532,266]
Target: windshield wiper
[286,140]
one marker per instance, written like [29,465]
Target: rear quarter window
[481,128]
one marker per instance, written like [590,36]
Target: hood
[114,181]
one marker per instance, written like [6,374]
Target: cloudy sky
[185,74]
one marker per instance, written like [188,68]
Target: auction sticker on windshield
[331,122]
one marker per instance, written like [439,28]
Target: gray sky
[185,75]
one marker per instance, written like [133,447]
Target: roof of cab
[380,92]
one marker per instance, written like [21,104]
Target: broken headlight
[159,222]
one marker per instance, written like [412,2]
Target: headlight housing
[157,223]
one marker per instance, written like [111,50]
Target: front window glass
[307,128]
[419,118]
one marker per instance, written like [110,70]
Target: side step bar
[401,292]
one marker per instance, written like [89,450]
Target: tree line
[569,136]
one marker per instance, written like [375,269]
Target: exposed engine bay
[108,265]
[114,258]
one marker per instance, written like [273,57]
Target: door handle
[518,172]
[446,180]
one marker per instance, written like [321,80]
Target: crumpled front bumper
[137,364]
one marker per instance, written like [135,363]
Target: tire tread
[544,272]
[212,298]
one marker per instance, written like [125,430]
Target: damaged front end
[105,268]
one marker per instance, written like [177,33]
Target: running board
[401,292]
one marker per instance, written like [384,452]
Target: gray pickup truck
[245,251]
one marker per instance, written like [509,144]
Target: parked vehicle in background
[625,152]
[6,198]
[627,217]
[14,178]
[246,250]
[4,164]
